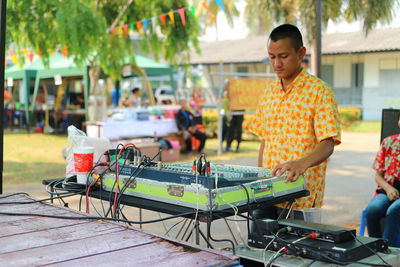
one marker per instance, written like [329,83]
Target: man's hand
[392,193]
[293,168]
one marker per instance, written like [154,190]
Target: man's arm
[260,154]
[296,168]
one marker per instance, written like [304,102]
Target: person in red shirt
[386,203]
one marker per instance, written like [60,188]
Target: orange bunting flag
[39,52]
[139,25]
[125,28]
[171,17]
[30,57]
[182,15]
[163,20]
[205,5]
[64,51]
[114,31]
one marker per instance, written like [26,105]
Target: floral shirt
[388,158]
[292,123]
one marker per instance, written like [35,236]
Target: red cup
[83,159]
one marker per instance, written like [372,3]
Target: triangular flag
[125,28]
[114,31]
[26,52]
[172,17]
[205,5]
[51,51]
[30,56]
[182,15]
[163,20]
[146,24]
[39,52]
[14,59]
[193,10]
[139,25]
[220,4]
[119,30]
[64,51]
[132,26]
[11,52]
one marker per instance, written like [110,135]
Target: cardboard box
[172,154]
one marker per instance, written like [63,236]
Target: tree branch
[120,14]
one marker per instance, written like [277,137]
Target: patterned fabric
[292,123]
[388,158]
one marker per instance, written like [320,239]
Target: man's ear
[302,52]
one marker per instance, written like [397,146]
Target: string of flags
[162,20]
[128,28]
[29,55]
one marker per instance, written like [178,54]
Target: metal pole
[316,60]
[221,84]
[3,6]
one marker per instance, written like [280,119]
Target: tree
[86,28]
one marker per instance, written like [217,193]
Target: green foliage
[210,122]
[349,115]
[82,26]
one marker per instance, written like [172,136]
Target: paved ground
[349,187]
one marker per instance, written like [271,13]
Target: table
[38,240]
[114,129]
[203,216]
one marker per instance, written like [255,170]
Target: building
[364,71]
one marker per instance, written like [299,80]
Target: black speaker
[390,117]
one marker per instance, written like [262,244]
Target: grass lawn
[30,158]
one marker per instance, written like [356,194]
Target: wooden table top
[36,240]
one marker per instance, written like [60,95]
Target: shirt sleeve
[327,119]
[379,163]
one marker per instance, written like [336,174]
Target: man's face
[285,60]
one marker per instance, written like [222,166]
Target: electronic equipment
[330,233]
[345,252]
[200,185]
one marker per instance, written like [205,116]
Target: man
[186,124]
[297,120]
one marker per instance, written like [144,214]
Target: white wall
[375,97]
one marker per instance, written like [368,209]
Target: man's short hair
[287,31]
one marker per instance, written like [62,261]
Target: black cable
[175,224]
[14,194]
[211,216]
[100,218]
[373,251]
[311,263]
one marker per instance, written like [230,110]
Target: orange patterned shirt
[292,123]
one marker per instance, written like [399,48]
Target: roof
[253,49]
[378,40]
[66,67]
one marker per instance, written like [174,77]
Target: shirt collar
[298,82]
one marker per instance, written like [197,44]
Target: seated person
[386,203]
[132,100]
[186,125]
